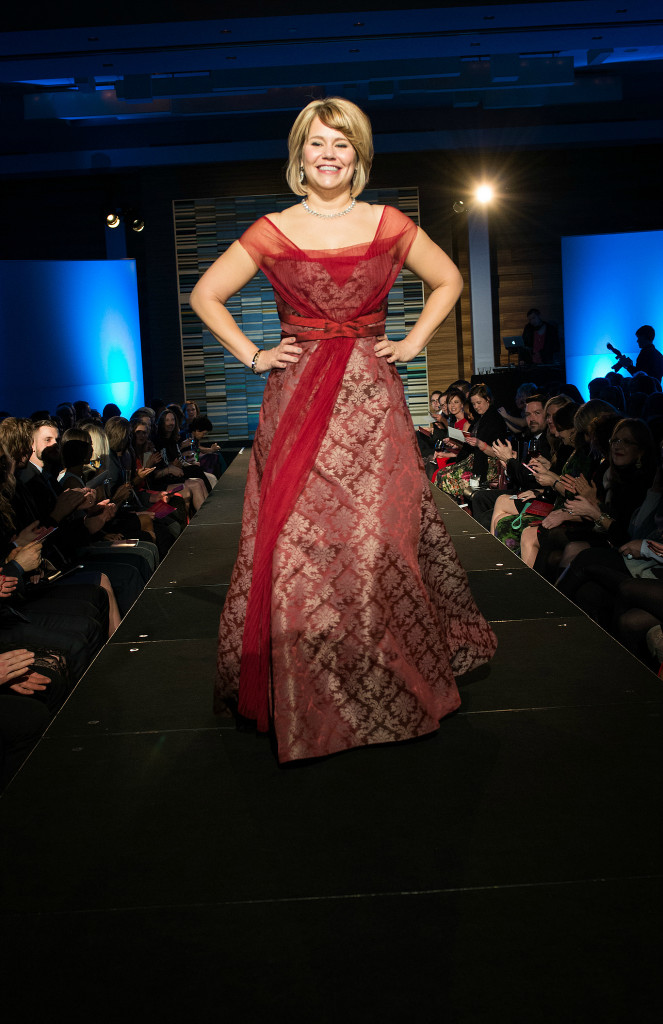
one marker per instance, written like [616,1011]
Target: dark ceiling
[145,83]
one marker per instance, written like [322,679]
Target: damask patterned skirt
[372,616]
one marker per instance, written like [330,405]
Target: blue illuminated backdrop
[69,330]
[612,284]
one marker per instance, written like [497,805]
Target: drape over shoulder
[348,612]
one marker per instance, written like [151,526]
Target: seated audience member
[622,588]
[615,492]
[71,617]
[66,414]
[540,339]
[82,410]
[597,386]
[533,441]
[110,410]
[147,417]
[570,390]
[95,473]
[635,403]
[191,411]
[80,538]
[517,423]
[476,457]
[528,507]
[642,382]
[429,437]
[619,491]
[172,473]
[447,450]
[33,686]
[655,424]
[572,423]
[653,406]
[151,486]
[615,396]
[207,455]
[178,413]
[75,452]
[169,509]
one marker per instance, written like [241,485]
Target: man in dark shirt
[519,479]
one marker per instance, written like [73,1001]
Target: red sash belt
[323,330]
[300,432]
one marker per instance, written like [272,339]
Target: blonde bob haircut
[343,116]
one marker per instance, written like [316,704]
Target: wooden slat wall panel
[528,275]
[444,363]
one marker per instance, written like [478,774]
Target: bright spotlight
[485,193]
[113,220]
[137,224]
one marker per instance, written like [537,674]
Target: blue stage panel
[612,284]
[69,330]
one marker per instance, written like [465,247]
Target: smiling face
[623,449]
[328,159]
[455,406]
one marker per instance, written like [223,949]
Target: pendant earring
[638,463]
[301,175]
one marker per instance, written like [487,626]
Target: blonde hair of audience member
[100,446]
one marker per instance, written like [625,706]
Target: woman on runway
[348,614]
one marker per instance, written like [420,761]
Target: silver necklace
[328,216]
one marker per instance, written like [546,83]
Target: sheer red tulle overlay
[348,613]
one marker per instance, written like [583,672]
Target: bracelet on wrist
[254,361]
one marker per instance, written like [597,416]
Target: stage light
[459,206]
[113,220]
[137,224]
[484,193]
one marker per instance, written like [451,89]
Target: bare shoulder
[376,211]
[284,216]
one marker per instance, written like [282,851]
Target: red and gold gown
[348,613]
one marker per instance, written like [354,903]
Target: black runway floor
[158,865]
